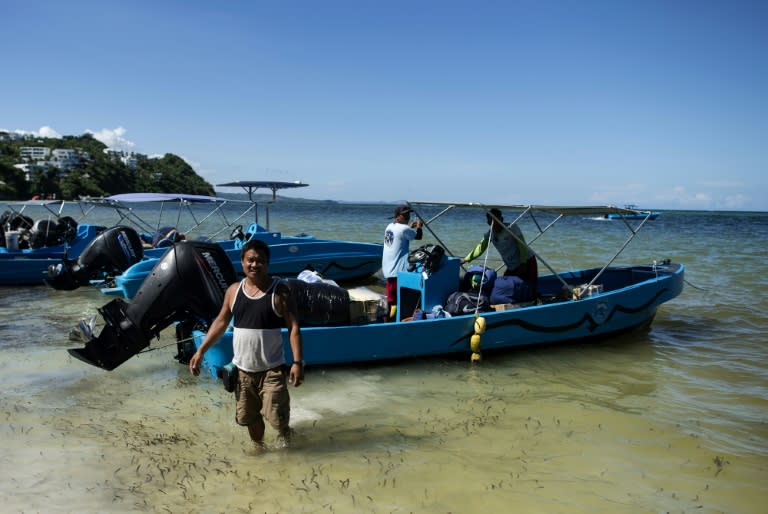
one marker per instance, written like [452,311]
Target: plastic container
[12,240]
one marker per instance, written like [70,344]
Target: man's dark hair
[257,245]
[496,212]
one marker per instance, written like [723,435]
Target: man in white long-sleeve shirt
[397,238]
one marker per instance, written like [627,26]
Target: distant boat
[631,212]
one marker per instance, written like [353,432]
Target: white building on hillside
[130,159]
[35,153]
[67,158]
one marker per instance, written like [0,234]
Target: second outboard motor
[67,227]
[112,251]
[190,279]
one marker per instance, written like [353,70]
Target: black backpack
[461,302]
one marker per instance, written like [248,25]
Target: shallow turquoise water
[672,419]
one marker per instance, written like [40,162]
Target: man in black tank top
[259,312]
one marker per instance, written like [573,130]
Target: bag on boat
[510,289]
[165,237]
[317,303]
[430,257]
[462,302]
[45,233]
[474,276]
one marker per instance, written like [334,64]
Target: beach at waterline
[669,419]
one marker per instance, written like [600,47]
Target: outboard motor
[112,251]
[67,227]
[190,279]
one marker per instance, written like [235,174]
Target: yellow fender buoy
[474,341]
[479,325]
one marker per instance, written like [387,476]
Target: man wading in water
[259,311]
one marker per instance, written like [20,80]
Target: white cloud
[680,196]
[45,131]
[113,138]
[736,202]
[193,164]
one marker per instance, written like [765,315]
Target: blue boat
[577,305]
[333,259]
[341,261]
[29,246]
[631,212]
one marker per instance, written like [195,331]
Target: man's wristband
[300,363]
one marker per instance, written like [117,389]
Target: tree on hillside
[99,174]
[13,184]
[170,174]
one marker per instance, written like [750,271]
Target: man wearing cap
[397,238]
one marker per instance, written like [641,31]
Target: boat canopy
[54,207]
[252,185]
[125,206]
[532,211]
[564,210]
[163,197]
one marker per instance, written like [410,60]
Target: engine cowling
[112,251]
[188,281]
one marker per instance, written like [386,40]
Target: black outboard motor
[67,227]
[112,251]
[190,279]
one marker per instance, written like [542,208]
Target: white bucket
[12,240]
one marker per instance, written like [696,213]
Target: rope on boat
[693,286]
[185,340]
[475,344]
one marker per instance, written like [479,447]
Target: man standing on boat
[397,238]
[509,241]
[260,309]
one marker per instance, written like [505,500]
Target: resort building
[34,153]
[130,159]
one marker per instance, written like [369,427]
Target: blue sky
[659,103]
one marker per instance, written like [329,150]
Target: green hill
[99,174]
